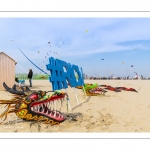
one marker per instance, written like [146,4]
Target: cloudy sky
[101,46]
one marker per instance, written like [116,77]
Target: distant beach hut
[7,70]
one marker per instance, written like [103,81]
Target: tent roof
[8,56]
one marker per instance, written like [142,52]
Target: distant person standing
[30,74]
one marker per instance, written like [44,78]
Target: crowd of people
[117,78]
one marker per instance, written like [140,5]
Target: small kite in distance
[102,59]
[87,31]
[131,65]
[48,42]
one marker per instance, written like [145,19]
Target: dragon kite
[34,105]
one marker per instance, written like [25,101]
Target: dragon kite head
[34,105]
[92,89]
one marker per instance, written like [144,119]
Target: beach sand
[124,111]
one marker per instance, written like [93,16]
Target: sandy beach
[124,111]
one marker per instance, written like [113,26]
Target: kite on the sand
[118,89]
[95,90]
[33,105]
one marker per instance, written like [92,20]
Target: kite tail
[32,62]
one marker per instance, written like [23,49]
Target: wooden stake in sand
[68,103]
[76,96]
[83,83]
[84,91]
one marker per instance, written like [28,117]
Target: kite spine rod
[32,62]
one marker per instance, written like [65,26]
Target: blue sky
[121,42]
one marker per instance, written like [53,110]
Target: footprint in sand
[90,125]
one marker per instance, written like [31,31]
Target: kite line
[33,63]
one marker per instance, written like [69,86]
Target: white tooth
[48,104]
[50,113]
[47,112]
[55,104]
[32,108]
[42,105]
[55,114]
[58,115]
[36,108]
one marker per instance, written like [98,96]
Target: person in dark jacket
[30,74]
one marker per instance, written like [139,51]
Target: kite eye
[32,97]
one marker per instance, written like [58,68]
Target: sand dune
[124,111]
